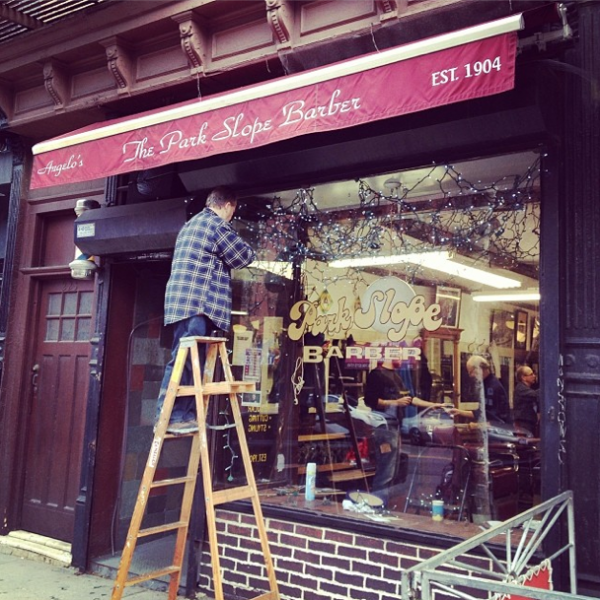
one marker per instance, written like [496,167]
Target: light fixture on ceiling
[392,184]
[438,261]
[530,295]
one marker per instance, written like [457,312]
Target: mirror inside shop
[391,326]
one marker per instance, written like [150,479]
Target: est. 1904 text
[476,68]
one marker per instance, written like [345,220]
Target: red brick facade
[311,563]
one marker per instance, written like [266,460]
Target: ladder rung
[201,339]
[318,437]
[173,481]
[152,575]
[178,436]
[267,596]
[162,528]
[219,387]
[231,494]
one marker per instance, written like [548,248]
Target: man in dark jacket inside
[526,400]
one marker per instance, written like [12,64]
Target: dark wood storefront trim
[579,288]
[9,434]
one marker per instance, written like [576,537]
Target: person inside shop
[313,389]
[487,387]
[385,392]
[198,293]
[526,400]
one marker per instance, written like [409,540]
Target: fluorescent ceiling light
[438,261]
[281,268]
[532,295]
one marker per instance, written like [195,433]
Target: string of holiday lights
[493,224]
[226,426]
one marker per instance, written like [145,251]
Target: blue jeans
[387,454]
[184,408]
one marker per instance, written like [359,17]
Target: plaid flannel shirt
[206,250]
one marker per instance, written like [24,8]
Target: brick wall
[311,563]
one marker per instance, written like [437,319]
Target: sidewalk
[27,576]
[25,579]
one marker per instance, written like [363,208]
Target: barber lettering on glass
[400,315]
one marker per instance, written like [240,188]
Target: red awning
[462,65]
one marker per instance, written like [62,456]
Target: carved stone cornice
[120,63]
[193,39]
[280,19]
[56,82]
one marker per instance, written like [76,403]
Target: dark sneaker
[182,428]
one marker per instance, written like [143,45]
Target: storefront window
[391,324]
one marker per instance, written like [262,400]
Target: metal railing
[455,573]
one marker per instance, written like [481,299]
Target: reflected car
[426,425]
[436,425]
[507,432]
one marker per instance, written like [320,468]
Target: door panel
[56,419]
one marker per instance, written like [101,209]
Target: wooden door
[56,419]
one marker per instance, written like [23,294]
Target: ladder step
[152,575]
[162,528]
[173,481]
[229,495]
[192,340]
[178,436]
[267,596]
[319,437]
[219,387]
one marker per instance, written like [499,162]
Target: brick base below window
[311,563]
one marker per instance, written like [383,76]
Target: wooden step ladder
[202,389]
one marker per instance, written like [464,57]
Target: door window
[69,316]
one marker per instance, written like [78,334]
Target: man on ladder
[198,294]
[198,298]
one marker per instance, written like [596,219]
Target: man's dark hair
[220,196]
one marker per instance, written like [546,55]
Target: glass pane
[54,301]
[85,303]
[386,317]
[83,329]
[70,303]
[68,330]
[374,354]
[52,330]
